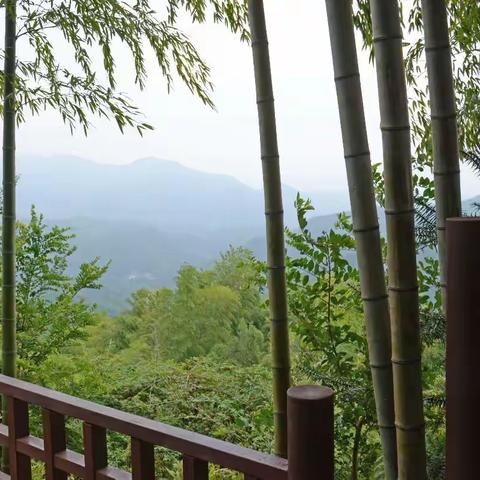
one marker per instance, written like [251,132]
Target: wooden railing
[197,450]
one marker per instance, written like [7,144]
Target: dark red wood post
[194,469]
[310,433]
[95,447]
[463,348]
[18,427]
[143,460]
[54,440]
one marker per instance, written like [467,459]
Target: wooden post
[55,441]
[194,468]
[95,446]
[18,427]
[463,340]
[310,433]
[143,460]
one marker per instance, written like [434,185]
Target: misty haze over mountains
[156,192]
[151,216]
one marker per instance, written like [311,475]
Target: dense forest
[216,352]
[197,355]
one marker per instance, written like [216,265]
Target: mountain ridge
[151,216]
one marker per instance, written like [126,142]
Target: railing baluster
[143,461]
[194,469]
[95,445]
[55,441]
[18,427]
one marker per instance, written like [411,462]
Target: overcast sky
[226,140]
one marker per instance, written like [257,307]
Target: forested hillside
[196,355]
[166,210]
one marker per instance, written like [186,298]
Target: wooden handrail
[191,445]
[310,429]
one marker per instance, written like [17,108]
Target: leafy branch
[75,88]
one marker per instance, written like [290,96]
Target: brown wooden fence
[197,450]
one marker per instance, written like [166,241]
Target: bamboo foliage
[446,163]
[365,221]
[274,222]
[399,210]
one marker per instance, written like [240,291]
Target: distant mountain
[157,192]
[320,223]
[152,216]
[141,256]
[148,217]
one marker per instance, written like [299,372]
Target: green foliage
[327,322]
[325,302]
[74,88]
[221,400]
[216,313]
[51,315]
[195,356]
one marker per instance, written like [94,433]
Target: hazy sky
[226,140]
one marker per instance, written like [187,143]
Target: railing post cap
[310,393]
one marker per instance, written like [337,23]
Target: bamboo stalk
[9,347]
[274,222]
[8,228]
[403,287]
[446,164]
[365,221]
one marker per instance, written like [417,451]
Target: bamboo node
[275,267]
[403,289]
[442,46]
[356,155]
[385,38]
[278,320]
[446,116]
[405,361]
[380,366]
[394,128]
[410,428]
[274,212]
[386,427]
[366,229]
[443,173]
[400,212]
[265,100]
[346,76]
[271,156]
[376,298]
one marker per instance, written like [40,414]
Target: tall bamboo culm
[274,222]
[365,221]
[9,347]
[402,271]
[8,227]
[446,164]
